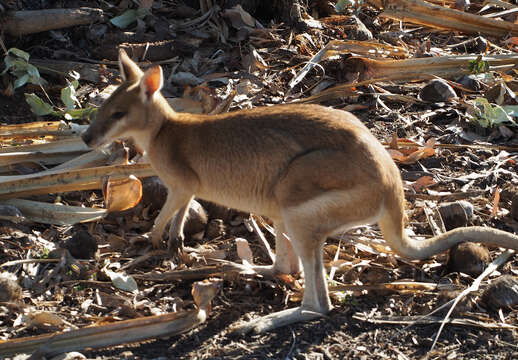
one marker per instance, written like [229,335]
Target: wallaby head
[128,112]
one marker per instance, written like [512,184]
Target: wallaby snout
[86,136]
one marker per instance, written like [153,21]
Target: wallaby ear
[128,69]
[151,83]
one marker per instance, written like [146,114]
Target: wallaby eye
[118,115]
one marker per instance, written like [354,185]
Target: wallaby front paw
[156,239]
[175,247]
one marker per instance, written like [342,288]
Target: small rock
[468,258]
[10,291]
[502,293]
[154,193]
[455,214]
[82,245]
[470,82]
[437,90]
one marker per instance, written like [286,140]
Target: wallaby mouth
[91,141]
[87,138]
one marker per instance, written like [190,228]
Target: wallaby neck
[157,113]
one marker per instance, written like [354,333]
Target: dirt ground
[366,323]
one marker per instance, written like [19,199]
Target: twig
[262,238]
[474,287]
[453,196]
[292,347]
[28,261]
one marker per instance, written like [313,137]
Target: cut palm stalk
[68,180]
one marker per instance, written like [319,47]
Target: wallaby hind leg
[286,260]
[316,303]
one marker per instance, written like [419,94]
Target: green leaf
[478,65]
[19,53]
[142,12]
[125,19]
[489,115]
[68,96]
[77,114]
[8,60]
[511,110]
[19,65]
[32,71]
[38,106]
[22,80]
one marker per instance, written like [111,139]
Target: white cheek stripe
[115,131]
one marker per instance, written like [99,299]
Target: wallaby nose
[87,137]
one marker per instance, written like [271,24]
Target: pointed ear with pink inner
[151,83]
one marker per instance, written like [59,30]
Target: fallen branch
[48,153]
[195,274]
[17,23]
[425,68]
[373,71]
[55,214]
[366,48]
[68,180]
[424,13]
[39,129]
[120,332]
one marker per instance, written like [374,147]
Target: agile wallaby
[313,170]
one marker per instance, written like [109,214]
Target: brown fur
[313,170]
